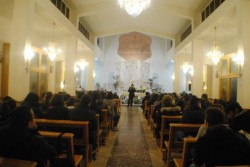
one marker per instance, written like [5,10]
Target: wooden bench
[105,123]
[118,104]
[165,129]
[68,139]
[98,131]
[10,162]
[83,126]
[173,145]
[188,143]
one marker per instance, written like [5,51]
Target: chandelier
[215,54]
[134,7]
[52,49]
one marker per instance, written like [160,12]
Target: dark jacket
[85,114]
[58,113]
[26,144]
[241,122]
[193,117]
[222,146]
[131,92]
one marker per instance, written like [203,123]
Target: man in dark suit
[131,95]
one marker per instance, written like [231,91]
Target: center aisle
[132,145]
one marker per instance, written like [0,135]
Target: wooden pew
[83,125]
[171,144]
[165,131]
[68,139]
[99,132]
[105,123]
[118,104]
[10,162]
[188,143]
[151,120]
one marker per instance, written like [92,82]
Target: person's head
[132,85]
[214,116]
[232,109]
[147,94]
[31,99]
[23,117]
[204,95]
[71,101]
[57,100]
[167,101]
[85,101]
[110,95]
[195,103]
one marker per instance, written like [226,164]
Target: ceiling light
[215,54]
[134,7]
[52,49]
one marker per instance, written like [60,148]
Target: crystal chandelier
[215,54]
[134,7]
[52,49]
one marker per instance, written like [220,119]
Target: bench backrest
[83,126]
[8,162]
[178,145]
[165,120]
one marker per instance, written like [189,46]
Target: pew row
[83,126]
[67,138]
[10,162]
[173,145]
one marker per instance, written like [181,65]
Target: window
[228,79]
[62,6]
[39,72]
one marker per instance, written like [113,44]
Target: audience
[22,141]
[56,109]
[220,145]
[32,100]
[109,104]
[84,113]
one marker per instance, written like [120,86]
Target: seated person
[146,98]
[241,122]
[220,145]
[84,113]
[21,141]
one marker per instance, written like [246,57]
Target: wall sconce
[28,55]
[173,77]
[187,68]
[62,85]
[80,65]
[239,59]
[94,74]
[216,74]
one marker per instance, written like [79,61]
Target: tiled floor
[132,145]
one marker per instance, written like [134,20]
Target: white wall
[158,64]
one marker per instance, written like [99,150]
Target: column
[197,81]
[243,27]
[90,81]
[21,34]
[70,58]
[180,82]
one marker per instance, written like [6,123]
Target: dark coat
[57,113]
[222,146]
[85,114]
[193,117]
[26,144]
[131,92]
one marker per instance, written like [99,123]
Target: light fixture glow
[134,7]
[186,67]
[215,54]
[52,49]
